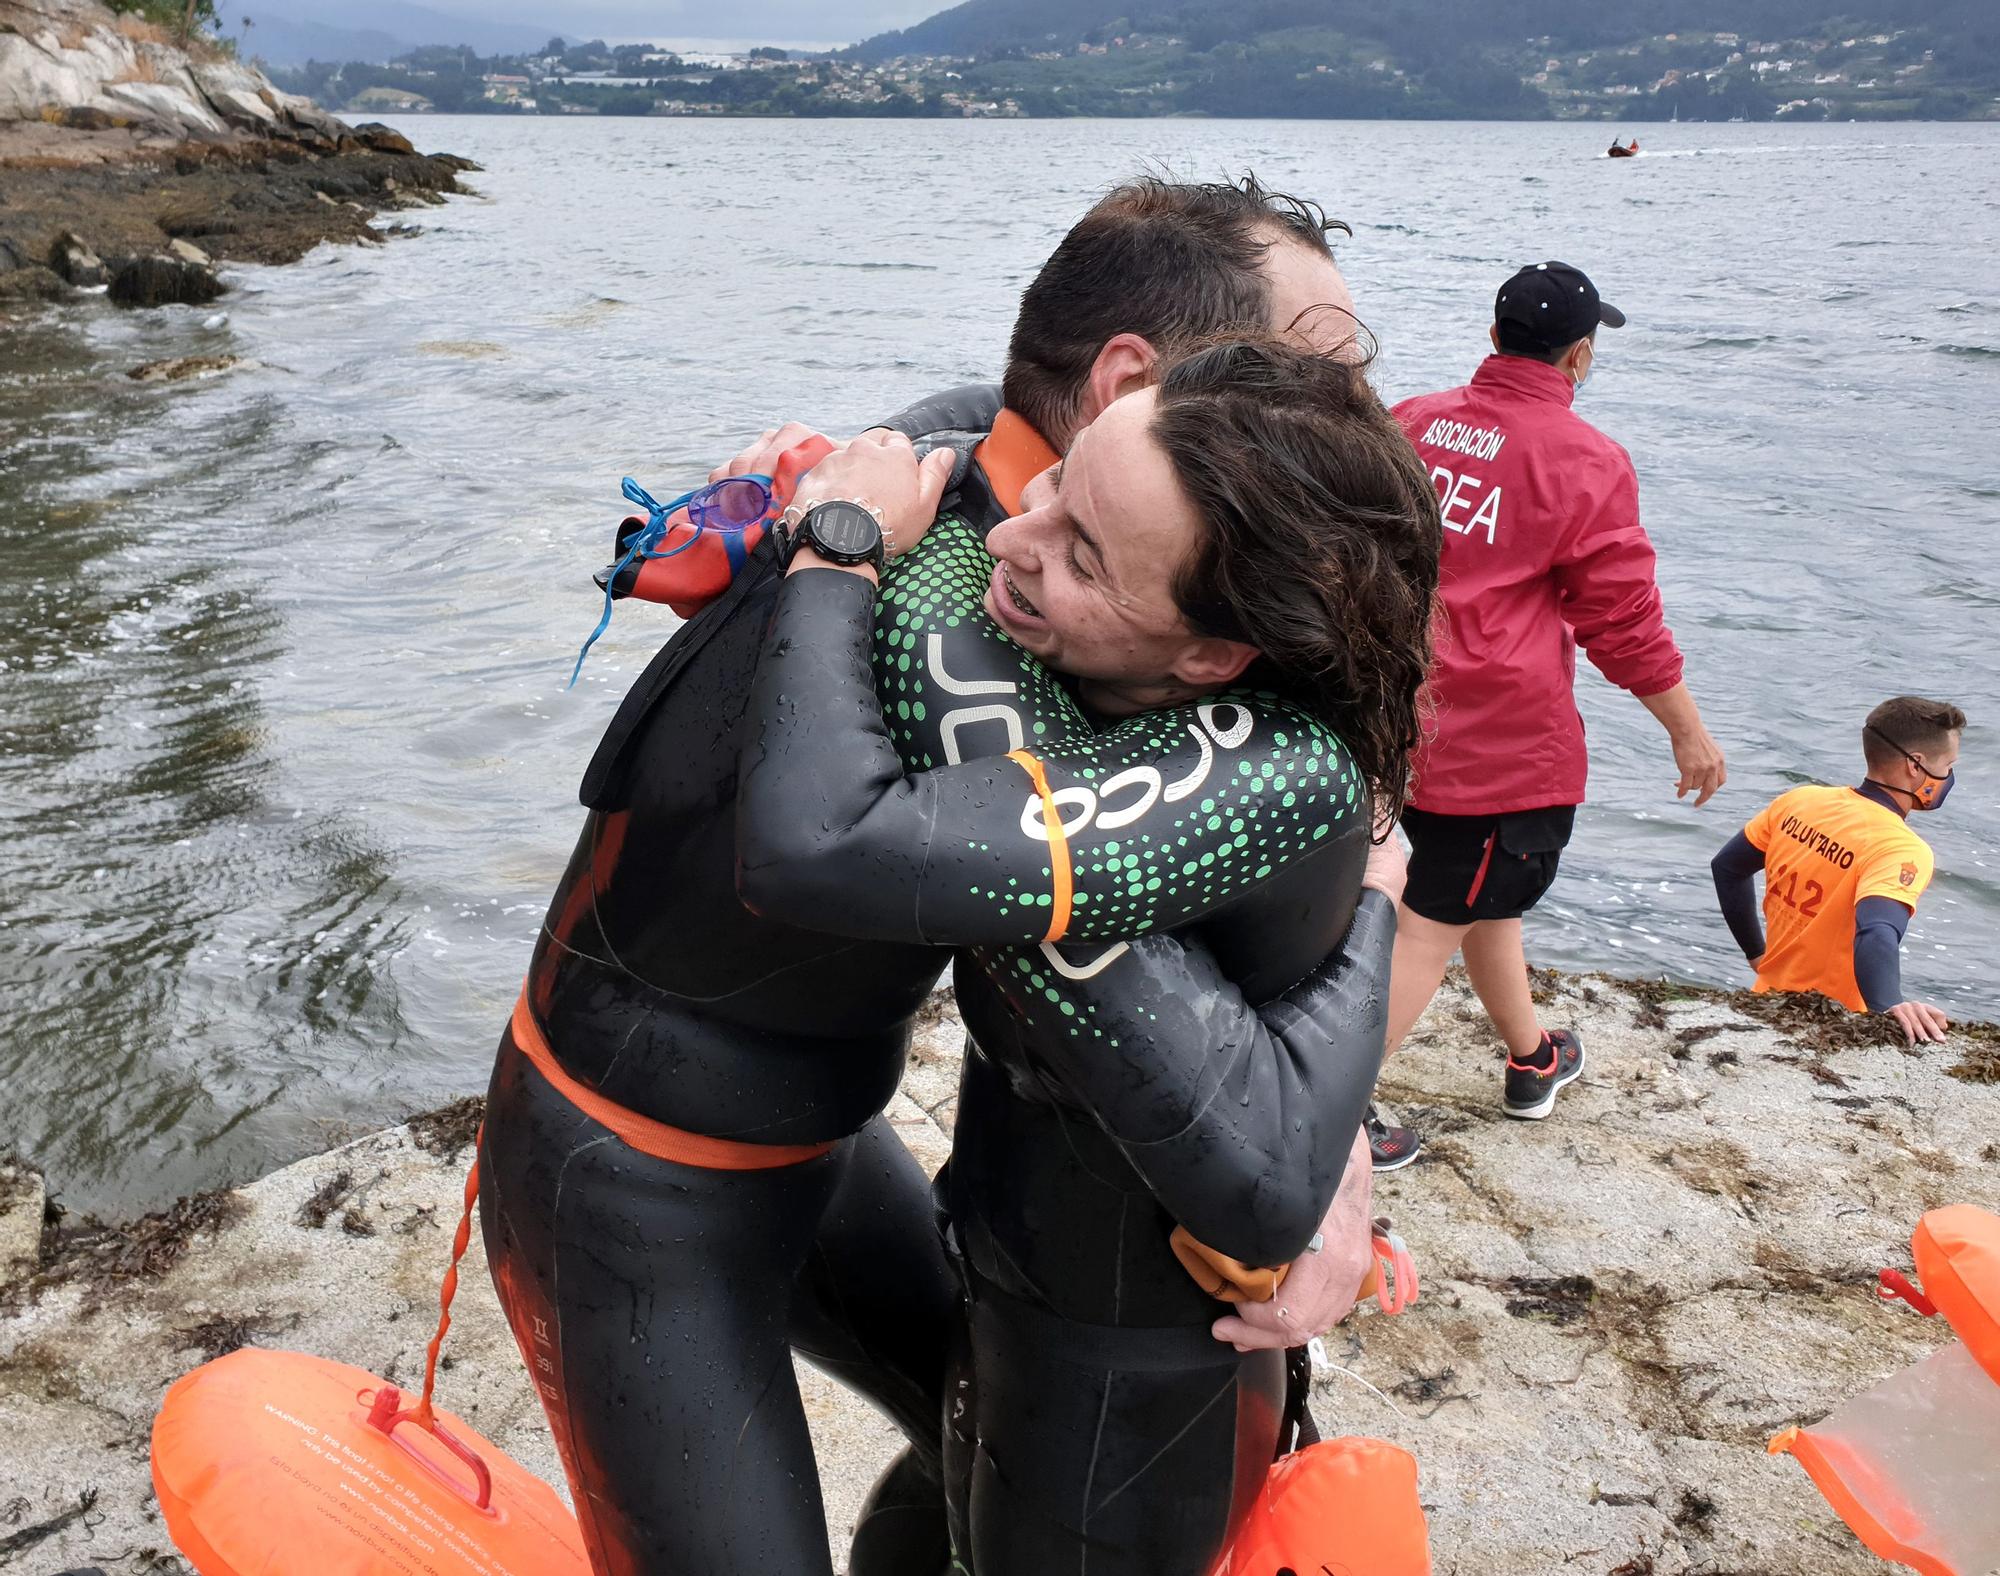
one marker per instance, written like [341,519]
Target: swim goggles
[728,507]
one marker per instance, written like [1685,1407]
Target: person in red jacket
[1543,551]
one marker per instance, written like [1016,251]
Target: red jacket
[1542,549]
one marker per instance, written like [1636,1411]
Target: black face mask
[1935,789]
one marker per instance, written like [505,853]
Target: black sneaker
[1391,1148]
[1531,1090]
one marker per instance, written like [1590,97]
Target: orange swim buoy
[1913,1465]
[1957,1250]
[694,568]
[1345,1507]
[283,1464]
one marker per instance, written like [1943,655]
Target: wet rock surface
[1624,1302]
[22,1201]
[1620,1304]
[75,262]
[118,147]
[160,279]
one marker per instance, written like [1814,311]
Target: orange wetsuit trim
[644,1134]
[1064,880]
[1012,455]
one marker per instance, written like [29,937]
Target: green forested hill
[1700,58]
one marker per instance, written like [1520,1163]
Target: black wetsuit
[656,1304]
[1113,1091]
[653,1300]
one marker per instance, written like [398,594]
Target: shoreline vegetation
[1637,1294]
[134,164]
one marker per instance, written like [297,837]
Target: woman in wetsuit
[1091,1412]
[673,1185]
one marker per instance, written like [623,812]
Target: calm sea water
[287,770]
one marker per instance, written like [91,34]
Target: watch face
[844,530]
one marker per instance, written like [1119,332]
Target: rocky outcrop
[76,263]
[116,144]
[158,280]
[178,369]
[1620,1304]
[74,64]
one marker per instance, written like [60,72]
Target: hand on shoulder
[881,471]
[1388,867]
[761,455]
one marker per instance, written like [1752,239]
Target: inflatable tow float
[1913,1465]
[1347,1507]
[272,1463]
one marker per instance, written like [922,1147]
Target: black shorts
[1470,867]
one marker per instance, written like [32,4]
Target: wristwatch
[840,531]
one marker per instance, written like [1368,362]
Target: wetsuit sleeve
[1879,924]
[971,407]
[1240,1120]
[1606,576]
[1735,870]
[1146,826]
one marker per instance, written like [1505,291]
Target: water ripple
[287,769]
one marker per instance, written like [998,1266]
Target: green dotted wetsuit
[1119,1084]
[1166,815]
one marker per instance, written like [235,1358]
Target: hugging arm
[1156,821]
[1240,1119]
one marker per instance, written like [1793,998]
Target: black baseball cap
[1549,305]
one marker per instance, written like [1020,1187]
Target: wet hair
[1514,341]
[1320,536]
[1917,725]
[1170,261]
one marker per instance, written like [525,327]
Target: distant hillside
[982,27]
[1695,60]
[291,32]
[1639,59]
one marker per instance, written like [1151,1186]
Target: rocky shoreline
[130,164]
[1620,1304]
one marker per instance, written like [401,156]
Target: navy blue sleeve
[1879,923]
[1735,870]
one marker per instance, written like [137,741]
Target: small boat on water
[1618,150]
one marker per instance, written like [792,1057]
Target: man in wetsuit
[668,1139]
[1843,870]
[1543,550]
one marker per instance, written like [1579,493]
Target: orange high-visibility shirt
[1825,849]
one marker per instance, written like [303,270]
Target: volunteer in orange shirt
[1843,870]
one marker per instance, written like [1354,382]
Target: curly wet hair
[1321,536]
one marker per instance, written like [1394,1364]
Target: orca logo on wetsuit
[965,716]
[1208,730]
[1226,723]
